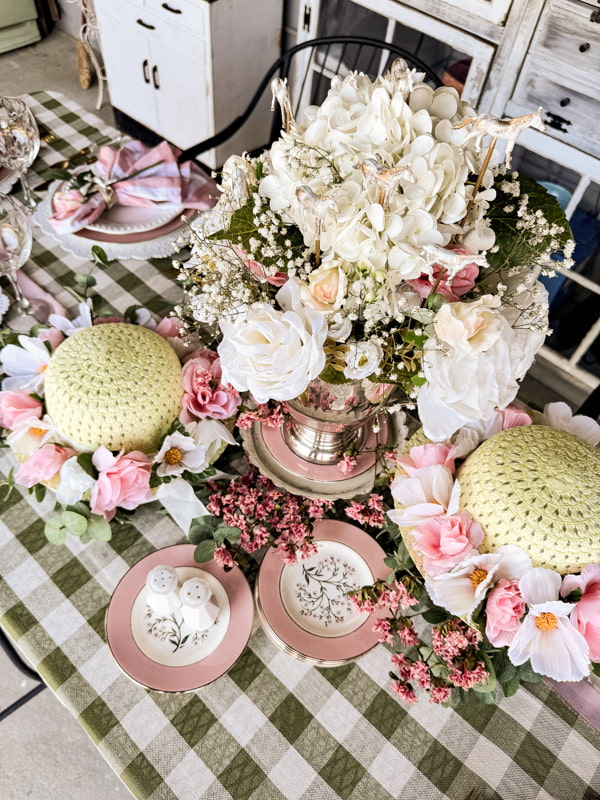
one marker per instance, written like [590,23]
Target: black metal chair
[316,61]
[7,646]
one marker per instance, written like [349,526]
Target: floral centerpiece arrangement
[371,242]
[111,413]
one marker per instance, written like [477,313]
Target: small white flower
[559,415]
[25,365]
[546,636]
[340,328]
[74,482]
[362,359]
[464,587]
[180,452]
[71,326]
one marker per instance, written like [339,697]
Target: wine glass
[15,246]
[19,141]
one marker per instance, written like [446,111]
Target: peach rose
[471,327]
[123,480]
[43,465]
[327,288]
[16,408]
[504,609]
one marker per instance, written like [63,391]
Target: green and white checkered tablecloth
[272,728]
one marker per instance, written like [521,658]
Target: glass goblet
[19,141]
[15,246]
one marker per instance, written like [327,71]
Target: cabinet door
[181,86]
[128,64]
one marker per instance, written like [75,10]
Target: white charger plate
[135,219]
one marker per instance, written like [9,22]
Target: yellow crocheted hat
[116,385]
[539,488]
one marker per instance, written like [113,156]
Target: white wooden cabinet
[185,68]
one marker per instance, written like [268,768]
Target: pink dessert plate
[163,653]
[305,604]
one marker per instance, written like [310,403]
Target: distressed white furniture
[183,68]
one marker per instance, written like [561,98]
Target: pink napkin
[162,180]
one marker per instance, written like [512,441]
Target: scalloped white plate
[135,219]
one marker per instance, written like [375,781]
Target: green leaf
[39,492]
[85,280]
[99,529]
[332,375]
[202,528]
[55,531]
[204,551]
[489,698]
[80,508]
[527,674]
[435,301]
[490,684]
[510,687]
[99,257]
[55,174]
[85,462]
[74,523]
[596,669]
[224,532]
[435,615]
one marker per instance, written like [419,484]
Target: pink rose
[426,455]
[504,609]
[460,284]
[169,327]
[16,408]
[123,480]
[514,417]
[51,335]
[203,393]
[586,614]
[446,541]
[66,202]
[43,465]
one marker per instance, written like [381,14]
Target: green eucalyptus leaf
[99,257]
[55,531]
[99,529]
[223,532]
[202,528]
[204,551]
[510,687]
[75,524]
[435,615]
[85,280]
[85,462]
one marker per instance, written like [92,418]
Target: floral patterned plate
[305,604]
[163,653]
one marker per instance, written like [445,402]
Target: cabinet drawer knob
[145,24]
[145,71]
[167,7]
[564,102]
[583,47]
[155,77]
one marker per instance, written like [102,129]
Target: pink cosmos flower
[123,480]
[514,417]
[452,290]
[203,393]
[504,609]
[430,492]
[51,335]
[586,614]
[16,408]
[426,455]
[446,541]
[43,465]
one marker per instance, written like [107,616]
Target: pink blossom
[440,694]
[346,464]
[420,674]
[586,614]
[504,609]
[203,393]
[16,408]
[43,465]
[427,455]
[405,691]
[384,629]
[451,644]
[223,557]
[123,480]
[514,417]
[408,637]
[466,678]
[452,289]
[51,335]
[446,541]
[169,327]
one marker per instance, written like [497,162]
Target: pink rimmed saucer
[156,664]
[304,605]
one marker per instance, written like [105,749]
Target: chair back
[309,67]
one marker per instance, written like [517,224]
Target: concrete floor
[44,753]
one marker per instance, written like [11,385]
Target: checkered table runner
[272,728]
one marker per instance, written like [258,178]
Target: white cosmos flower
[71,326]
[25,365]
[31,435]
[212,435]
[546,636]
[464,587]
[74,482]
[362,359]
[559,415]
[180,452]
[429,492]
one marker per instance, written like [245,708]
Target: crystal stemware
[19,141]
[15,245]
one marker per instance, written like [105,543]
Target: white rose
[74,482]
[362,359]
[470,327]
[273,354]
[340,328]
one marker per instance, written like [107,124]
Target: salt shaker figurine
[199,610]
[162,584]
